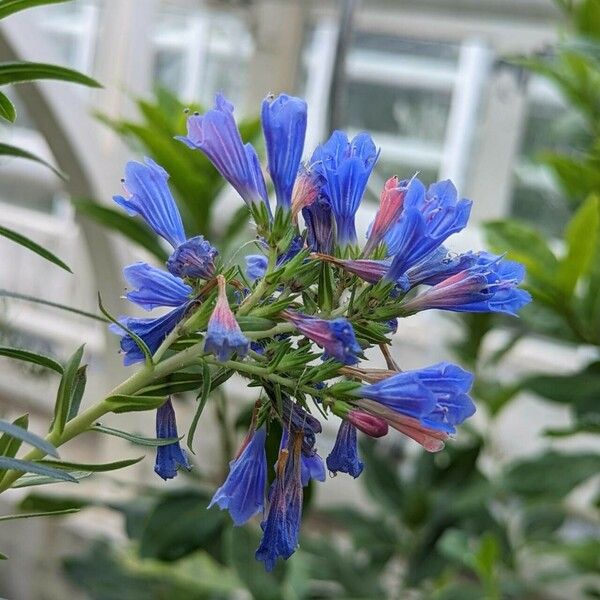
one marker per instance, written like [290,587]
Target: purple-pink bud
[369,424]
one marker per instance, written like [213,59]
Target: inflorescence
[297,322]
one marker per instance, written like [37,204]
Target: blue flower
[490,285]
[312,467]
[306,188]
[284,126]
[319,225]
[149,196]
[152,331]
[223,334]
[194,258]
[346,166]
[155,287]
[256,266]
[243,493]
[435,396]
[335,336]
[171,456]
[281,528]
[216,134]
[344,456]
[427,220]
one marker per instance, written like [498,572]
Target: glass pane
[169,68]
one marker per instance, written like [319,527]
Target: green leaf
[25,466]
[3,556]
[78,390]
[31,245]
[132,229]
[83,313]
[550,475]
[65,391]
[29,438]
[31,480]
[121,403]
[134,439]
[7,109]
[40,502]
[66,511]
[19,72]
[31,357]
[136,338]
[581,237]
[92,468]
[8,7]
[9,445]
[201,400]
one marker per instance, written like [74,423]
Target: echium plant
[297,321]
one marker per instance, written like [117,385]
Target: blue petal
[155,287]
[312,467]
[256,266]
[194,258]
[170,457]
[344,456]
[151,198]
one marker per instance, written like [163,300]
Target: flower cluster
[297,320]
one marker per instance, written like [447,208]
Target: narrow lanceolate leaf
[19,72]
[136,338]
[132,229]
[134,439]
[7,109]
[201,399]
[30,480]
[93,468]
[123,403]
[3,556]
[66,391]
[25,466]
[31,245]
[49,513]
[31,357]
[29,438]
[78,389]
[8,7]
[71,309]
[9,446]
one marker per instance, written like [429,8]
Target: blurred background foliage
[444,526]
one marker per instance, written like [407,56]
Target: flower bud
[369,424]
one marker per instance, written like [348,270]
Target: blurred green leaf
[19,72]
[7,109]
[9,445]
[66,511]
[78,390]
[32,357]
[31,480]
[50,502]
[66,391]
[33,246]
[22,434]
[26,466]
[92,468]
[8,7]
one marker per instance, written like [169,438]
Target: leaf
[78,390]
[92,468]
[9,446]
[132,229]
[83,313]
[8,7]
[551,475]
[66,511]
[201,400]
[136,338]
[33,246]
[31,357]
[134,439]
[29,438]
[122,403]
[40,502]
[7,109]
[65,391]
[8,150]
[19,72]
[25,466]
[31,480]
[581,237]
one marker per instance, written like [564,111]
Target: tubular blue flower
[155,287]
[284,127]
[435,396]
[344,456]
[306,188]
[256,266]
[490,285]
[216,134]
[170,457]
[243,493]
[335,336]
[390,208]
[346,166]
[152,331]
[223,334]
[194,258]
[312,467]
[319,225]
[149,196]
[282,525]
[427,220]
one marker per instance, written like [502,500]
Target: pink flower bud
[369,424]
